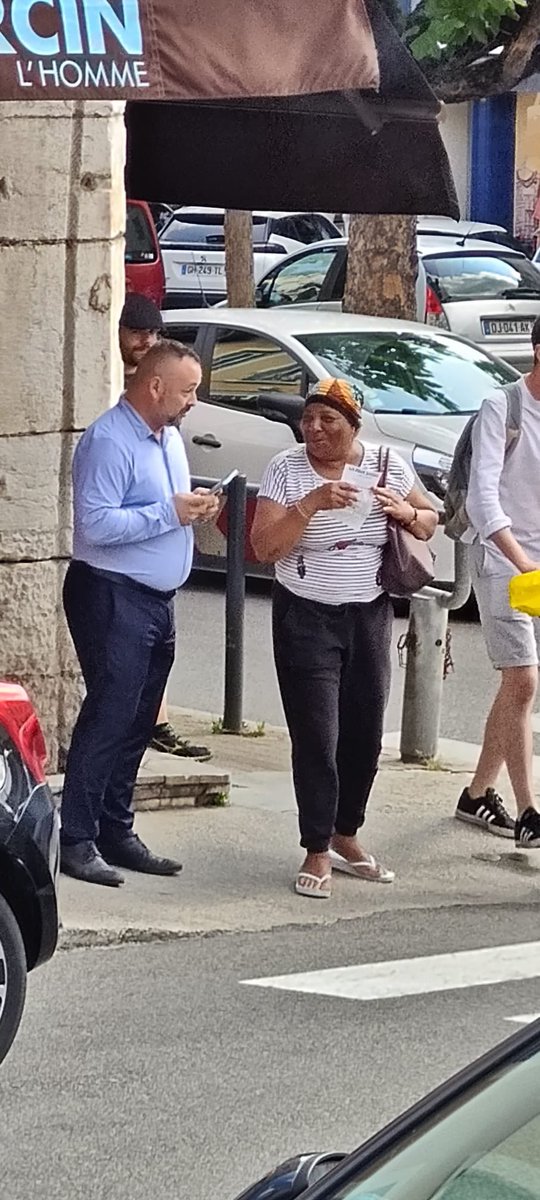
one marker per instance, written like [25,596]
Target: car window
[203,231]
[300,281]
[187,334]
[499,237]
[286,227]
[487,1148]
[325,227]
[482,277]
[409,374]
[140,246]
[246,364]
[309,229]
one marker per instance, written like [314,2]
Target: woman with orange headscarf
[322,519]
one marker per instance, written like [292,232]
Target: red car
[144,264]
[29,856]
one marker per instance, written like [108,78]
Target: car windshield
[482,277]
[405,373]
[485,1149]
[204,230]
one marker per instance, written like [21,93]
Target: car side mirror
[286,409]
[293,1178]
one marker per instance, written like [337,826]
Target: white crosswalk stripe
[415,976]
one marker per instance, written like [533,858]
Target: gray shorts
[512,638]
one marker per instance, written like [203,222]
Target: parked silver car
[419,385]
[473,1138]
[481,291]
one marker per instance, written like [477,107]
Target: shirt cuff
[174,519]
[495,526]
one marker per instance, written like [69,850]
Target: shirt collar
[140,427]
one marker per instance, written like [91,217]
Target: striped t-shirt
[333,563]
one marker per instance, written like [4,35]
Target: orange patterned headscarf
[338,394]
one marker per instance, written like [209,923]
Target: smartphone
[223,483]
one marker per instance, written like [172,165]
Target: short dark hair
[535,334]
[167,349]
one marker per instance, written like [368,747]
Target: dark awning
[342,151]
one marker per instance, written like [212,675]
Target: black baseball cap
[139,312]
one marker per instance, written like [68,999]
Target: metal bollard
[426,650]
[235,602]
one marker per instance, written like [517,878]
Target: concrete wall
[456,135]
[62,216]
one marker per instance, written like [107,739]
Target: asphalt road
[152,1070]
[197,677]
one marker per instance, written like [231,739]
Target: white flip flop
[320,892]
[366,868]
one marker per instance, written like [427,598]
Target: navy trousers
[124,638]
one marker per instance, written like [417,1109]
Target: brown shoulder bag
[407,563]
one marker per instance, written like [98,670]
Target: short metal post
[422,696]
[235,605]
[426,651]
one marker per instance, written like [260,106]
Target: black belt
[126,581]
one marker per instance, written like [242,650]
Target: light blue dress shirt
[124,477]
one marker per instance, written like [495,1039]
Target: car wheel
[12,977]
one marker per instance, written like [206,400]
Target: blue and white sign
[90,46]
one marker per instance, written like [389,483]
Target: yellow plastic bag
[525,593]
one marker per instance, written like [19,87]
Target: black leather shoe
[132,854]
[83,861]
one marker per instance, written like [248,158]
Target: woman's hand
[394,506]
[332,495]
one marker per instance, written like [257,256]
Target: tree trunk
[382,265]
[239,258]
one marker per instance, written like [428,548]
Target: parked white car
[479,290]
[483,231]
[192,246]
[420,386]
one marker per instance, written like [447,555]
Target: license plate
[202,269]
[507,326]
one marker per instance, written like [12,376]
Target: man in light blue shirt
[132,550]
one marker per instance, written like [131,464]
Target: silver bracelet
[302,511]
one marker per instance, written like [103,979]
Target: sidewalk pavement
[240,861]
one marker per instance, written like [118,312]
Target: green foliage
[439,27]
[248,731]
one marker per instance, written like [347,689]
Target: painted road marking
[415,976]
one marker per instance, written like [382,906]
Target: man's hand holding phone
[200,505]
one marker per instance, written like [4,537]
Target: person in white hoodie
[503,507]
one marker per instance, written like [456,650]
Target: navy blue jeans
[124,638]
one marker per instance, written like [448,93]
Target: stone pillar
[62,220]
